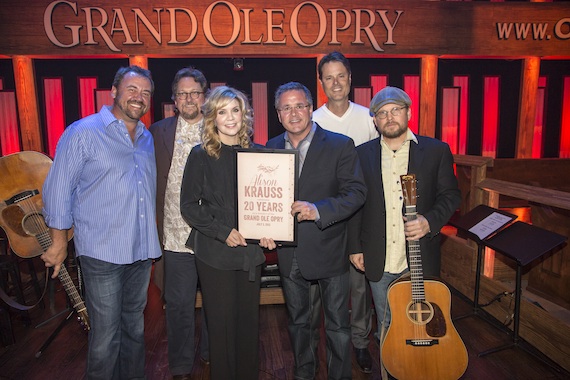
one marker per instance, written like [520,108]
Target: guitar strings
[416,273]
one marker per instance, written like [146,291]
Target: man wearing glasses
[331,189]
[377,234]
[176,275]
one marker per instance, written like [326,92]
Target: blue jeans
[180,281]
[380,294]
[115,296]
[334,294]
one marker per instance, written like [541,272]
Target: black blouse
[207,203]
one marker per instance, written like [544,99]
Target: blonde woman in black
[228,267]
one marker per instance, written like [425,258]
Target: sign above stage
[263,28]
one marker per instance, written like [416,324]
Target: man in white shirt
[341,115]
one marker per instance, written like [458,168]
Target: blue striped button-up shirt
[104,185]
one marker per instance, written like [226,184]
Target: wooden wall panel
[527,107]
[27,99]
[428,96]
[9,132]
[254,27]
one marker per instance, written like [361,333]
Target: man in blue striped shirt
[103,183]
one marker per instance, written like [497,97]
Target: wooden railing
[471,170]
[477,189]
[547,197]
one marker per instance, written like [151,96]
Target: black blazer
[163,133]
[331,179]
[438,198]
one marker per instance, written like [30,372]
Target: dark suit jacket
[163,132]
[438,198]
[331,179]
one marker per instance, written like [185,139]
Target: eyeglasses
[192,94]
[298,108]
[396,111]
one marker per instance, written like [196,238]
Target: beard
[189,113]
[133,114]
[392,134]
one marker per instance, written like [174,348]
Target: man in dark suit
[378,233]
[331,189]
[174,137]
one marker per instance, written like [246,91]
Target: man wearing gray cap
[377,233]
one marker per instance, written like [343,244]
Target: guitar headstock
[408,182]
[83,319]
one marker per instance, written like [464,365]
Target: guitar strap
[16,305]
[6,298]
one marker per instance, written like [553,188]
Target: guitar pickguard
[437,326]
[13,216]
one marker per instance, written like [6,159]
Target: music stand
[522,243]
[479,224]
[518,241]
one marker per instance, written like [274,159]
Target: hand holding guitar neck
[56,253]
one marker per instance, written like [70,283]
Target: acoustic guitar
[421,341]
[23,175]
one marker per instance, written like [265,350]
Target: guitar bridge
[422,342]
[20,197]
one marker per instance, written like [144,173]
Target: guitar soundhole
[420,312]
[34,224]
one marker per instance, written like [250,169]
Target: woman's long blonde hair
[218,98]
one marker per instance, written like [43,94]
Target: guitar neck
[44,239]
[70,289]
[415,259]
